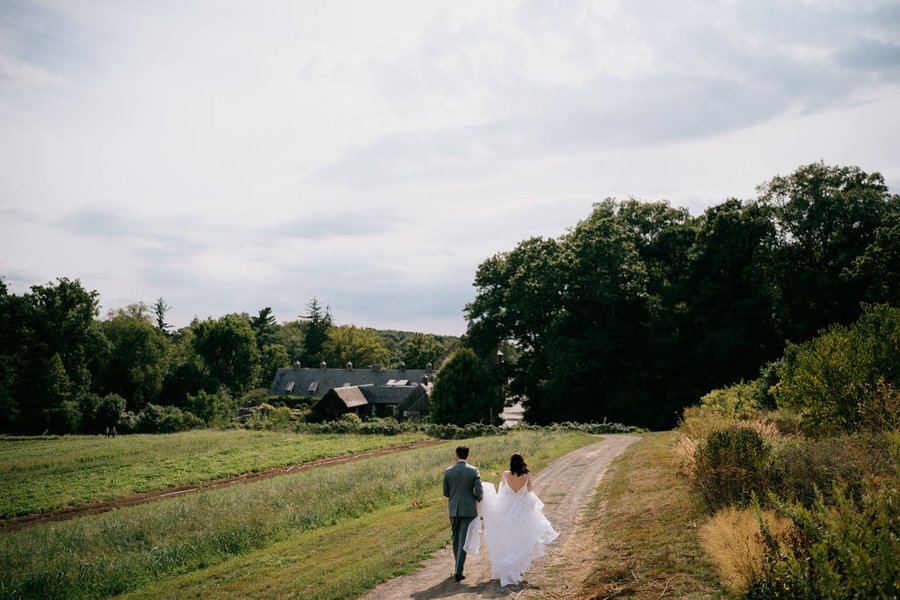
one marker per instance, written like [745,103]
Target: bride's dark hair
[517,465]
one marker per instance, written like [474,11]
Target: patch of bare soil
[565,486]
[90,508]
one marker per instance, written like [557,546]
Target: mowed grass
[645,519]
[238,538]
[39,474]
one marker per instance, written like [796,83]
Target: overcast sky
[231,156]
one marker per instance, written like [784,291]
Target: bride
[515,528]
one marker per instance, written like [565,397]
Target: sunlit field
[45,473]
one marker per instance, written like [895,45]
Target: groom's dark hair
[462,452]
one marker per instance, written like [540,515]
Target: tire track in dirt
[565,486]
[91,508]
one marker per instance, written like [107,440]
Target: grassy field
[40,474]
[645,519]
[358,524]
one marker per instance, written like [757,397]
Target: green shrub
[762,388]
[829,378]
[448,431]
[848,550]
[351,418]
[737,401]
[730,466]
[803,469]
[254,397]
[165,419]
[214,408]
[292,401]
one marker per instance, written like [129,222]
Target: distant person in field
[515,528]
[462,485]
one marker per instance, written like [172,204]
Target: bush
[803,470]
[351,418]
[829,378]
[214,408]
[880,411]
[292,401]
[738,401]
[848,550]
[698,422]
[447,432]
[165,419]
[730,466]
[254,397]
[127,422]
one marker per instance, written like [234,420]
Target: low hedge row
[448,432]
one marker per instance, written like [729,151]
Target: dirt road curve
[80,510]
[565,485]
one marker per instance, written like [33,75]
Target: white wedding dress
[515,531]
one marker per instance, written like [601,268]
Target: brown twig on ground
[668,581]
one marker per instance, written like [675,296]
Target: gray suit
[462,485]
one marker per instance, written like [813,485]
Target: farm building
[368,392]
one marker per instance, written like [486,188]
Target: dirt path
[565,485]
[80,510]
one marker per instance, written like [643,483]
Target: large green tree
[464,391]
[877,270]
[290,335]
[60,345]
[420,350]
[264,327]
[137,361]
[227,349]
[826,217]
[641,308]
[360,346]
[11,322]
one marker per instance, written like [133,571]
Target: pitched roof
[387,394]
[352,396]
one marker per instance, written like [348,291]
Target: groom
[462,485]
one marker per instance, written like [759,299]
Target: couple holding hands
[515,528]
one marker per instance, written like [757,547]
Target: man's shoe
[459,577]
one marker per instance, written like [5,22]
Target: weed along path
[565,486]
[72,512]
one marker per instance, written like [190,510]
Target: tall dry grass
[685,451]
[732,539]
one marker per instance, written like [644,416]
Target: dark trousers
[460,527]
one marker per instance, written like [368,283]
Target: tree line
[641,308]
[64,369]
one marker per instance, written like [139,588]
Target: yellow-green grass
[343,561]
[645,518]
[211,533]
[39,474]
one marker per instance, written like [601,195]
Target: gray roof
[292,381]
[386,394]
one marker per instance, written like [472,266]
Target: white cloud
[372,154]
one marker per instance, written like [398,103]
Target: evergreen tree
[318,324]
